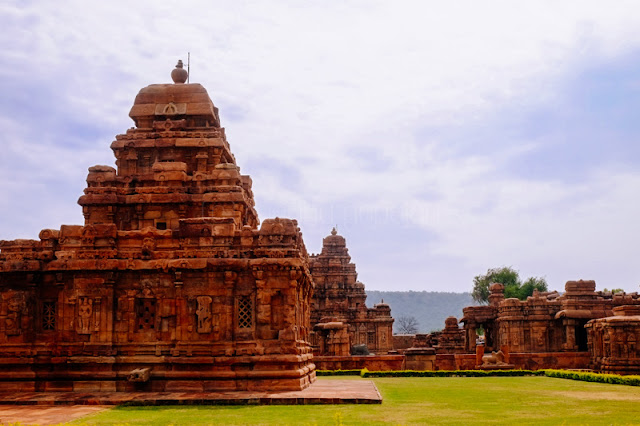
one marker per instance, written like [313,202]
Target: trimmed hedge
[451,373]
[584,376]
[338,372]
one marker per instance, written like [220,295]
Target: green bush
[338,372]
[451,373]
[585,376]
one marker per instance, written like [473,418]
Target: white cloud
[339,97]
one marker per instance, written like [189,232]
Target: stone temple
[579,329]
[170,284]
[339,315]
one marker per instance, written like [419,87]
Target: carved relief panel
[85,312]
[15,306]
[204,314]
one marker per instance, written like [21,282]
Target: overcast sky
[442,138]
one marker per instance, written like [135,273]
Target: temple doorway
[581,336]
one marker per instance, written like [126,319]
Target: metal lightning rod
[188,66]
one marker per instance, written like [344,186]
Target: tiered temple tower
[170,284]
[339,297]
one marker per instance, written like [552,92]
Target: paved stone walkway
[49,415]
[46,408]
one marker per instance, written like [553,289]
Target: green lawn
[450,400]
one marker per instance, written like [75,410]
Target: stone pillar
[479,354]
[505,351]
[496,295]
[471,336]
[570,335]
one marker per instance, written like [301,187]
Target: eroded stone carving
[204,314]
[15,303]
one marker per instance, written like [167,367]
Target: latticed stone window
[245,312]
[371,338]
[146,313]
[49,315]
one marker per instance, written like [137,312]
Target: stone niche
[170,284]
[340,297]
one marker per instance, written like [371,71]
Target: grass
[442,400]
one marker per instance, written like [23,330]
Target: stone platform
[321,392]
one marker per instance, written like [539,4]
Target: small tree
[407,325]
[504,275]
[513,287]
[531,284]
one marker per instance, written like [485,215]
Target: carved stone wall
[613,341]
[339,297]
[169,277]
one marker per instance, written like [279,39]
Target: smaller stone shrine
[340,298]
[550,330]
[450,340]
[332,338]
[545,322]
[613,341]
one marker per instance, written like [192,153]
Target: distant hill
[430,308]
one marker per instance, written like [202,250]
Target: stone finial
[179,74]
[495,288]
[497,294]
[334,231]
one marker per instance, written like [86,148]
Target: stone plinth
[421,359]
[321,392]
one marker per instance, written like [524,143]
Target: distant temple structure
[545,322]
[170,284]
[339,315]
[581,328]
[449,340]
